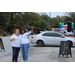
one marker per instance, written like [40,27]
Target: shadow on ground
[48,46]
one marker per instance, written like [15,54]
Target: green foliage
[2,21]
[33,19]
[71,16]
[39,20]
[44,17]
[44,25]
[67,18]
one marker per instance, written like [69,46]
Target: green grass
[1,34]
[9,34]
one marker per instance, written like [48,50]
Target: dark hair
[21,30]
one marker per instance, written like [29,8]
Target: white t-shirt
[24,38]
[17,41]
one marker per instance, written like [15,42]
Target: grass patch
[1,34]
[9,34]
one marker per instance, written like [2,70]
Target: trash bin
[4,33]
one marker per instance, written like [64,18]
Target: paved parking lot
[7,45]
[36,54]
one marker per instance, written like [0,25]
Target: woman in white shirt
[25,44]
[16,43]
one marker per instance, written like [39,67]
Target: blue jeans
[25,48]
[15,53]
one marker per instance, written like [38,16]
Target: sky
[54,14]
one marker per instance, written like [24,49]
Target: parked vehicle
[56,29]
[62,30]
[51,38]
[64,34]
[42,30]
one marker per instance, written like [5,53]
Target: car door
[57,38]
[46,37]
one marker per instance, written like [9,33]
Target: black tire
[40,43]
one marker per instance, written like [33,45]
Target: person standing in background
[38,30]
[25,44]
[16,43]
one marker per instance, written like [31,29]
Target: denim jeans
[15,54]
[25,48]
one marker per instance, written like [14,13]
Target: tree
[12,15]
[72,16]
[43,25]
[67,18]
[45,18]
[35,20]
[55,21]
[2,21]
[25,17]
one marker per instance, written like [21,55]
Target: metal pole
[49,20]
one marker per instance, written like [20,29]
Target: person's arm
[12,38]
[28,33]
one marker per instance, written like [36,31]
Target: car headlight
[73,39]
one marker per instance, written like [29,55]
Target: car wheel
[40,43]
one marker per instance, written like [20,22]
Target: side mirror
[62,36]
[64,32]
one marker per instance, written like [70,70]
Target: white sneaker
[23,61]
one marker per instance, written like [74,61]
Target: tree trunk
[12,18]
[11,28]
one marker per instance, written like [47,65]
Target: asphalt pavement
[7,45]
[36,54]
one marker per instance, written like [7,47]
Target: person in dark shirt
[38,30]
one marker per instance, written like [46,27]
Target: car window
[56,35]
[56,29]
[64,34]
[47,34]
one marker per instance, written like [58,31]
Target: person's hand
[13,38]
[32,30]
